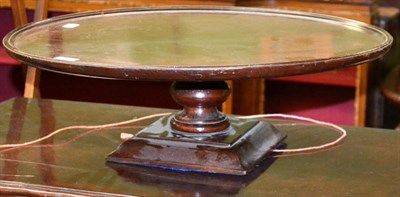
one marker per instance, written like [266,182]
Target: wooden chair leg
[32,79]
[19,12]
[32,82]
[41,10]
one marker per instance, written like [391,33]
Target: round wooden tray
[195,44]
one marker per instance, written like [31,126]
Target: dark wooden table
[73,162]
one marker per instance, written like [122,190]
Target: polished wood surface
[195,44]
[73,162]
[200,102]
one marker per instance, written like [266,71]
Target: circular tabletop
[195,43]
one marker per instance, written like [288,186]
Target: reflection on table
[73,162]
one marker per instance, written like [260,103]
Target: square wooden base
[236,151]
